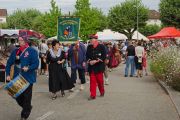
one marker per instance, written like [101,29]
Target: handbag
[139,59]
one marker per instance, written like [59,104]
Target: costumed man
[96,55]
[25,61]
[77,58]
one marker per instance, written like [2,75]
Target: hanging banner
[68,28]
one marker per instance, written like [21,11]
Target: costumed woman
[59,79]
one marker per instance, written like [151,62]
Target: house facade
[3,15]
[154,18]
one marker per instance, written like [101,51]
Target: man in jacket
[25,61]
[95,56]
[77,58]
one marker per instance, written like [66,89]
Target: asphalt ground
[126,98]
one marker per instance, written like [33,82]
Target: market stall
[108,35]
[167,32]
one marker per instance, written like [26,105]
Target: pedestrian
[34,45]
[139,53]
[96,55]
[130,54]
[123,50]
[66,48]
[106,74]
[25,61]
[11,47]
[115,57]
[59,79]
[77,58]
[43,50]
[145,62]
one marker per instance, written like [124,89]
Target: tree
[123,17]
[3,26]
[170,12]
[92,19]
[47,24]
[82,5]
[22,19]
[150,29]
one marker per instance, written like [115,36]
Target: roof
[3,12]
[8,32]
[167,32]
[108,35]
[153,14]
[138,36]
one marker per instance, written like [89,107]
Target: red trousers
[96,79]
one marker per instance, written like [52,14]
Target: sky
[66,5]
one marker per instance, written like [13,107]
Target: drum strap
[18,51]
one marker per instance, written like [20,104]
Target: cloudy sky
[66,5]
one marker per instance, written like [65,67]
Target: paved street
[125,99]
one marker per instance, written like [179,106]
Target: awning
[167,32]
[108,35]
[8,32]
[138,36]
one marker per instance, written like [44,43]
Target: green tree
[123,17]
[150,29]
[82,5]
[22,19]
[3,26]
[170,12]
[92,19]
[47,24]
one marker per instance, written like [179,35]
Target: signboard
[68,28]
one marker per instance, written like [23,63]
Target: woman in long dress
[59,79]
[115,57]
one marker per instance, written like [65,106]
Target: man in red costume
[95,56]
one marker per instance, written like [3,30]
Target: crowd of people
[53,59]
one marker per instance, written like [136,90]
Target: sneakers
[54,96]
[81,87]
[71,90]
[106,81]
[131,75]
[62,93]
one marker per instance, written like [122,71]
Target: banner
[68,28]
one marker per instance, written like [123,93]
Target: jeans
[130,62]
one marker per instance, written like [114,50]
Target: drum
[17,86]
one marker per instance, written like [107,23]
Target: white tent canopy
[107,34]
[138,36]
[8,32]
[55,37]
[52,38]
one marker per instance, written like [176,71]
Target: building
[154,18]
[3,15]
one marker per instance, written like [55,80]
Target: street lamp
[137,20]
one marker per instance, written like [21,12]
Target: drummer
[25,61]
